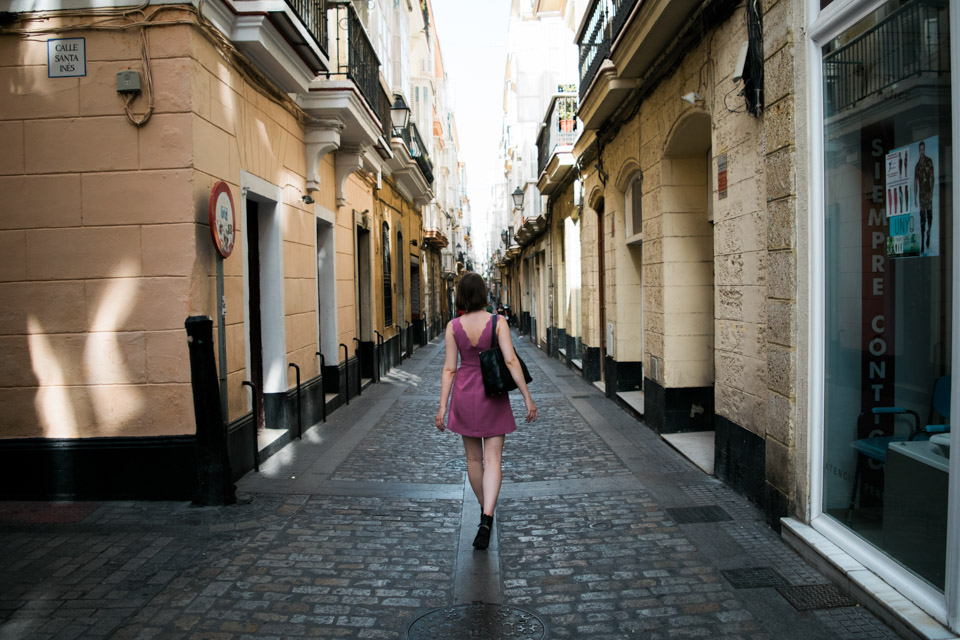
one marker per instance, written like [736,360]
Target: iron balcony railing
[418,151]
[385,122]
[355,57]
[313,15]
[911,42]
[605,21]
[560,129]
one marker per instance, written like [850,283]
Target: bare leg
[473,447]
[492,474]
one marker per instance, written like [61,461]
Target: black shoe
[482,541]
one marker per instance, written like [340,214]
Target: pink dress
[472,412]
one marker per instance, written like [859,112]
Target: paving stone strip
[365,527]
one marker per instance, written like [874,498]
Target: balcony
[558,134]
[619,42]
[313,16]
[435,238]
[410,166]
[418,151]
[905,46]
[601,26]
[356,60]
[349,109]
[285,39]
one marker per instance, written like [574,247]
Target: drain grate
[579,397]
[695,515]
[754,578]
[807,597]
[476,620]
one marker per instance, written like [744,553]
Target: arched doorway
[593,363]
[687,371]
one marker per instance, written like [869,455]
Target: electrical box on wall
[128,81]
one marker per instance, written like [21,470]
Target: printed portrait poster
[912,198]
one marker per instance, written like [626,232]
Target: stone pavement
[363,530]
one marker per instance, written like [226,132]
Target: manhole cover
[695,515]
[478,620]
[815,596]
[599,526]
[753,578]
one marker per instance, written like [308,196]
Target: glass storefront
[888,247]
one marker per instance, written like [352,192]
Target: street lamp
[399,113]
[517,196]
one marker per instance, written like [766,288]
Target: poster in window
[912,199]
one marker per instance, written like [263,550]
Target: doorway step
[632,400]
[600,384]
[365,382]
[696,446]
[269,441]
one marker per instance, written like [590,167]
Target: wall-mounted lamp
[693,97]
[399,113]
[517,196]
[307,199]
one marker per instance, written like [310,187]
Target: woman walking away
[481,420]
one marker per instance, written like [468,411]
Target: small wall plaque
[66,58]
[722,176]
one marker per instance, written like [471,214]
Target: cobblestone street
[364,526]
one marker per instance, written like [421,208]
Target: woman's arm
[510,358]
[449,371]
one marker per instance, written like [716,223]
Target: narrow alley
[362,530]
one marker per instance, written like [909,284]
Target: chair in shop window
[875,448]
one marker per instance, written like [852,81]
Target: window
[387,282]
[888,260]
[634,209]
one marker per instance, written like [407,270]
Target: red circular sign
[223,219]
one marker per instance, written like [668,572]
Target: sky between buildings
[473,41]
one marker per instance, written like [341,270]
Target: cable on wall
[136,17]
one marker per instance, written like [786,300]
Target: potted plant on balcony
[566,113]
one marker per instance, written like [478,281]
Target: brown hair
[471,292]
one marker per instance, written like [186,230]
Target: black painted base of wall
[591,363]
[676,410]
[622,376]
[740,462]
[554,341]
[524,322]
[419,335]
[368,360]
[161,468]
[574,348]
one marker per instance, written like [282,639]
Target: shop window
[888,264]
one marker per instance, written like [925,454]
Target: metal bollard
[323,392]
[346,370]
[214,477]
[359,368]
[299,407]
[256,412]
[378,355]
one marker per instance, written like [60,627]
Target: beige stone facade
[108,249]
[690,296]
